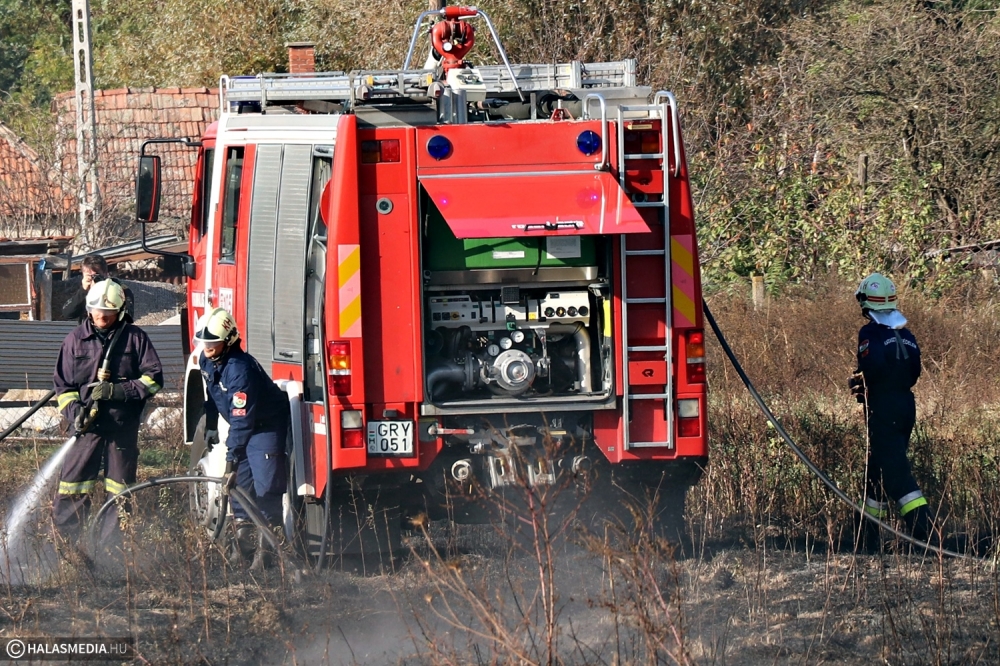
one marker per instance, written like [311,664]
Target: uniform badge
[863,348]
[239,412]
[239,400]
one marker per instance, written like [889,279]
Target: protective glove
[229,477]
[211,438]
[81,422]
[108,391]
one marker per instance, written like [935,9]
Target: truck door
[288,181]
[198,240]
[228,225]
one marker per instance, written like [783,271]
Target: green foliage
[910,90]
[780,101]
[35,59]
[187,42]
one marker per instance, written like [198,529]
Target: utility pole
[86,127]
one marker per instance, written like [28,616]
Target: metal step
[648,348]
[648,204]
[645,253]
[643,156]
[649,445]
[645,301]
[648,396]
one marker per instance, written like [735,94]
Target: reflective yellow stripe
[150,384]
[78,488]
[349,293]
[912,504]
[66,398]
[877,512]
[114,487]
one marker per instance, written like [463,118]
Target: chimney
[301,57]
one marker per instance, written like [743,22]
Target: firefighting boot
[920,524]
[867,536]
[267,554]
[242,544]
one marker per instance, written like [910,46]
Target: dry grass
[766,576]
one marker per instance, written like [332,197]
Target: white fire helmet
[876,292]
[106,295]
[217,325]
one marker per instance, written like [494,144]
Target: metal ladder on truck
[664,107]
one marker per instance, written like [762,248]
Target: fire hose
[102,373]
[254,513]
[816,471]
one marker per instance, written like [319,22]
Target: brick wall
[301,57]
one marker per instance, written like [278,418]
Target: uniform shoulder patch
[863,347]
[239,399]
[239,412]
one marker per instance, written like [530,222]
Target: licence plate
[390,438]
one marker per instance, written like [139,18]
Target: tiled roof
[125,118]
[25,188]
[34,186]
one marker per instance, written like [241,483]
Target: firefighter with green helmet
[888,367]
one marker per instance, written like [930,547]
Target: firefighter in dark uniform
[102,407]
[257,412]
[888,367]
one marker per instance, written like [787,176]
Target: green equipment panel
[444,252]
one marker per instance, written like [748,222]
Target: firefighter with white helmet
[102,406]
[888,367]
[257,412]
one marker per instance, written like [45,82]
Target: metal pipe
[582,339]
[24,417]
[603,164]
[448,372]
[416,34]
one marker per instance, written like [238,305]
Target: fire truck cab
[470,280]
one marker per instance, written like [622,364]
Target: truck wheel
[203,498]
[303,519]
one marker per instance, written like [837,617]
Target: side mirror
[147,189]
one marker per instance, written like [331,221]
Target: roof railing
[380,85]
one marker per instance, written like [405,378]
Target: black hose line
[24,417]
[220,521]
[248,504]
[805,459]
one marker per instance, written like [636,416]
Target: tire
[304,520]
[205,505]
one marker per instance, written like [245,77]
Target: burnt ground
[464,597]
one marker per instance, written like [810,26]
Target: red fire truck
[469,279]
